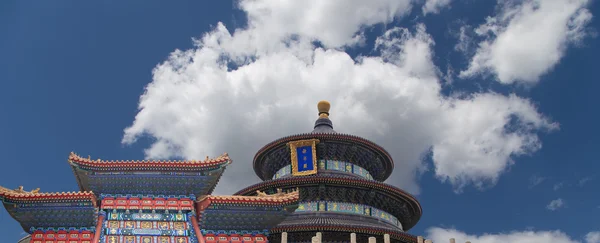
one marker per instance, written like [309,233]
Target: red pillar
[197,229]
[98,228]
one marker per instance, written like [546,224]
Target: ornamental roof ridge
[74,158]
[20,193]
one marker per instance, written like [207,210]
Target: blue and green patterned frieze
[151,232]
[330,165]
[233,232]
[245,207]
[146,238]
[151,196]
[147,216]
[75,204]
[351,208]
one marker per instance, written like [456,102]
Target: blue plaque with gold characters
[304,157]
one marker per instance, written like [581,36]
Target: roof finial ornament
[323,124]
[20,189]
[323,107]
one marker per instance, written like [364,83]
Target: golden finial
[323,107]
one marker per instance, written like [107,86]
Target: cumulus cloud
[555,204]
[592,237]
[334,23]
[234,93]
[434,6]
[442,235]
[525,40]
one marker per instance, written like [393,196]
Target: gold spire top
[323,107]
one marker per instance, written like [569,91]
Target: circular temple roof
[332,146]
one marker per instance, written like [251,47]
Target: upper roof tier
[332,146]
[134,165]
[148,177]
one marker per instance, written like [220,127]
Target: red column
[98,228]
[197,229]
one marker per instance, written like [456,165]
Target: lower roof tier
[33,209]
[376,194]
[231,213]
[337,237]
[301,225]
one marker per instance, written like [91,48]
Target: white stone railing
[386,238]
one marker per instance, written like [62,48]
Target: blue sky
[485,138]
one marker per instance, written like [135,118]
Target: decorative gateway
[146,202]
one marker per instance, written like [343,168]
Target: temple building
[340,177]
[321,183]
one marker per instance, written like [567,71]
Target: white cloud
[196,105]
[558,186]
[535,180]
[555,204]
[465,39]
[584,181]
[434,6]
[592,237]
[525,41]
[442,235]
[333,22]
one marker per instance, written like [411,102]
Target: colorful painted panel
[384,215]
[146,239]
[137,226]
[147,216]
[345,207]
[223,238]
[307,207]
[352,208]
[135,203]
[330,165]
[287,170]
[73,235]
